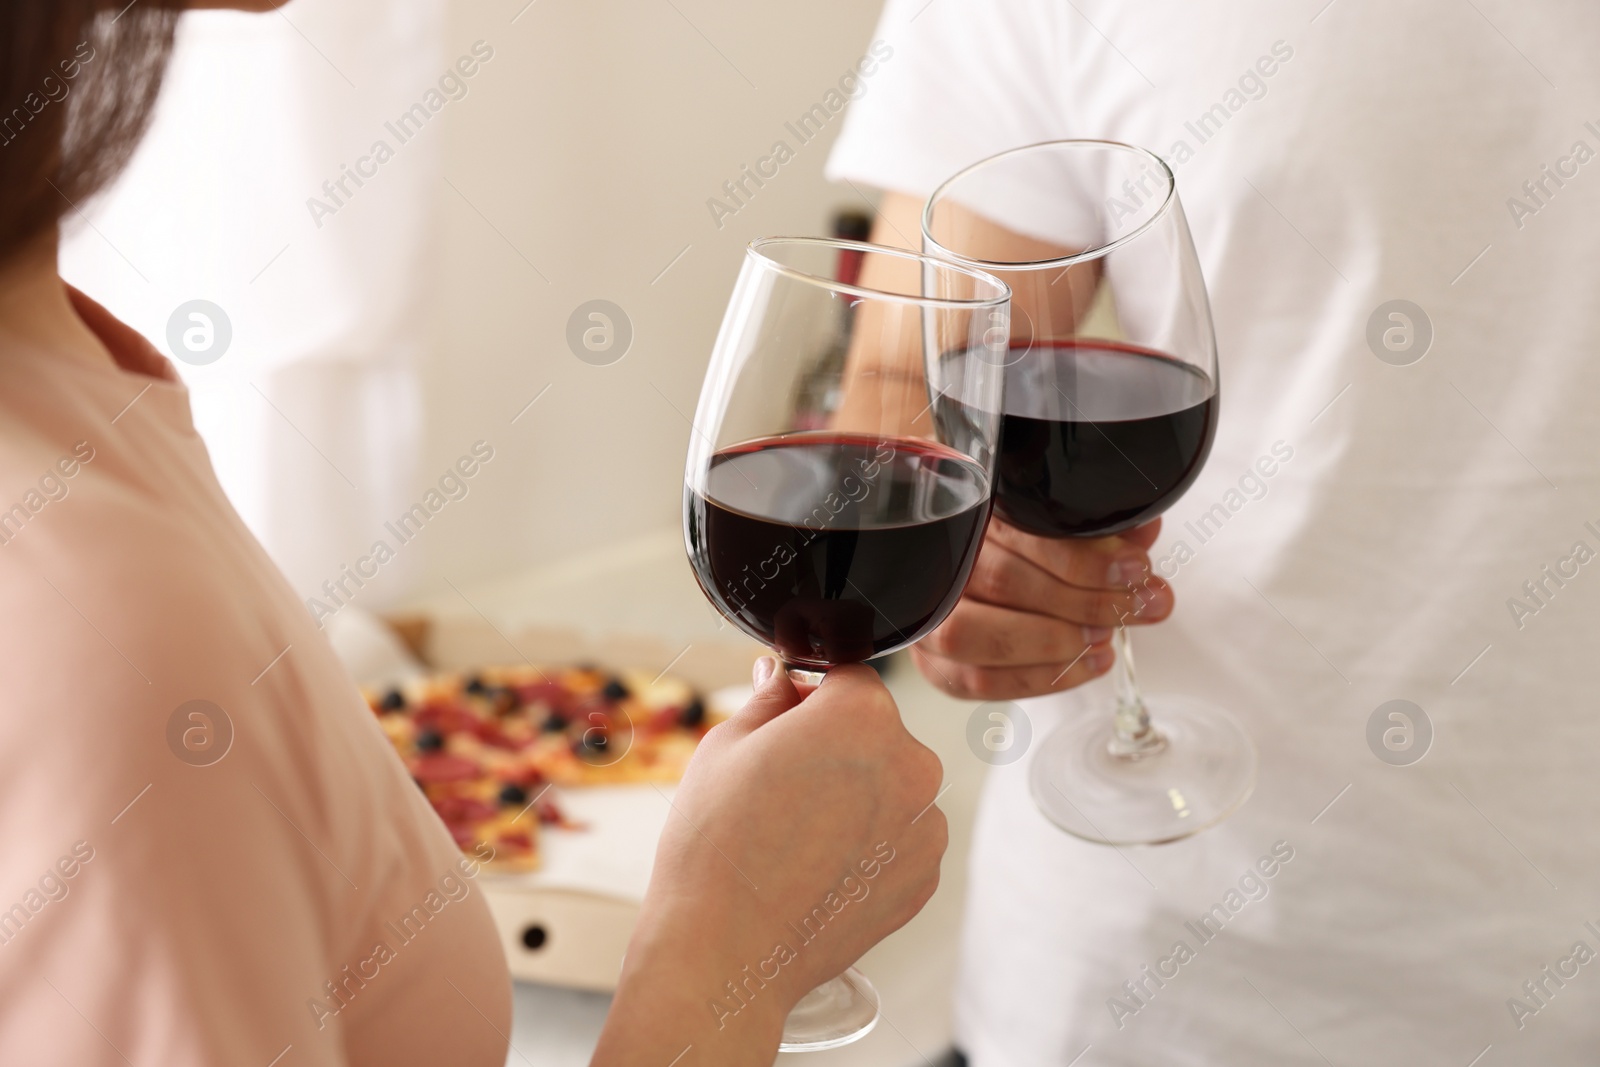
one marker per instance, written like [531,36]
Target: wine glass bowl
[836,547]
[1085,413]
[841,535]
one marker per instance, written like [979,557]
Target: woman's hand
[1038,613]
[804,832]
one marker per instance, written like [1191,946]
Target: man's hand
[804,832]
[1038,613]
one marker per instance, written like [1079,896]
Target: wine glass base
[1203,773]
[835,1013]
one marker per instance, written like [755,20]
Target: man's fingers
[1143,536]
[992,636]
[1089,562]
[972,682]
[1002,577]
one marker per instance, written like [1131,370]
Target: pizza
[486,747]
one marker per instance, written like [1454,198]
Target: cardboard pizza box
[630,607]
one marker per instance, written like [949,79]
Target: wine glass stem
[804,678]
[1133,736]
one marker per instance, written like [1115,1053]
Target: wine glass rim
[755,249]
[1061,261]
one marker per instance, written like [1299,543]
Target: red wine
[834,548]
[1097,437]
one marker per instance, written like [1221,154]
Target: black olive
[475,685]
[694,714]
[513,794]
[554,724]
[430,741]
[393,700]
[615,690]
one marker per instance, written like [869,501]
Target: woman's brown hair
[78,81]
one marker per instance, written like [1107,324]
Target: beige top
[253,880]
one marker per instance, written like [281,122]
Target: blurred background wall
[374,344]
[610,125]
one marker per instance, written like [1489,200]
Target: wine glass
[824,513]
[1110,407]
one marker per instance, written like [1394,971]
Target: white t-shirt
[1329,162]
